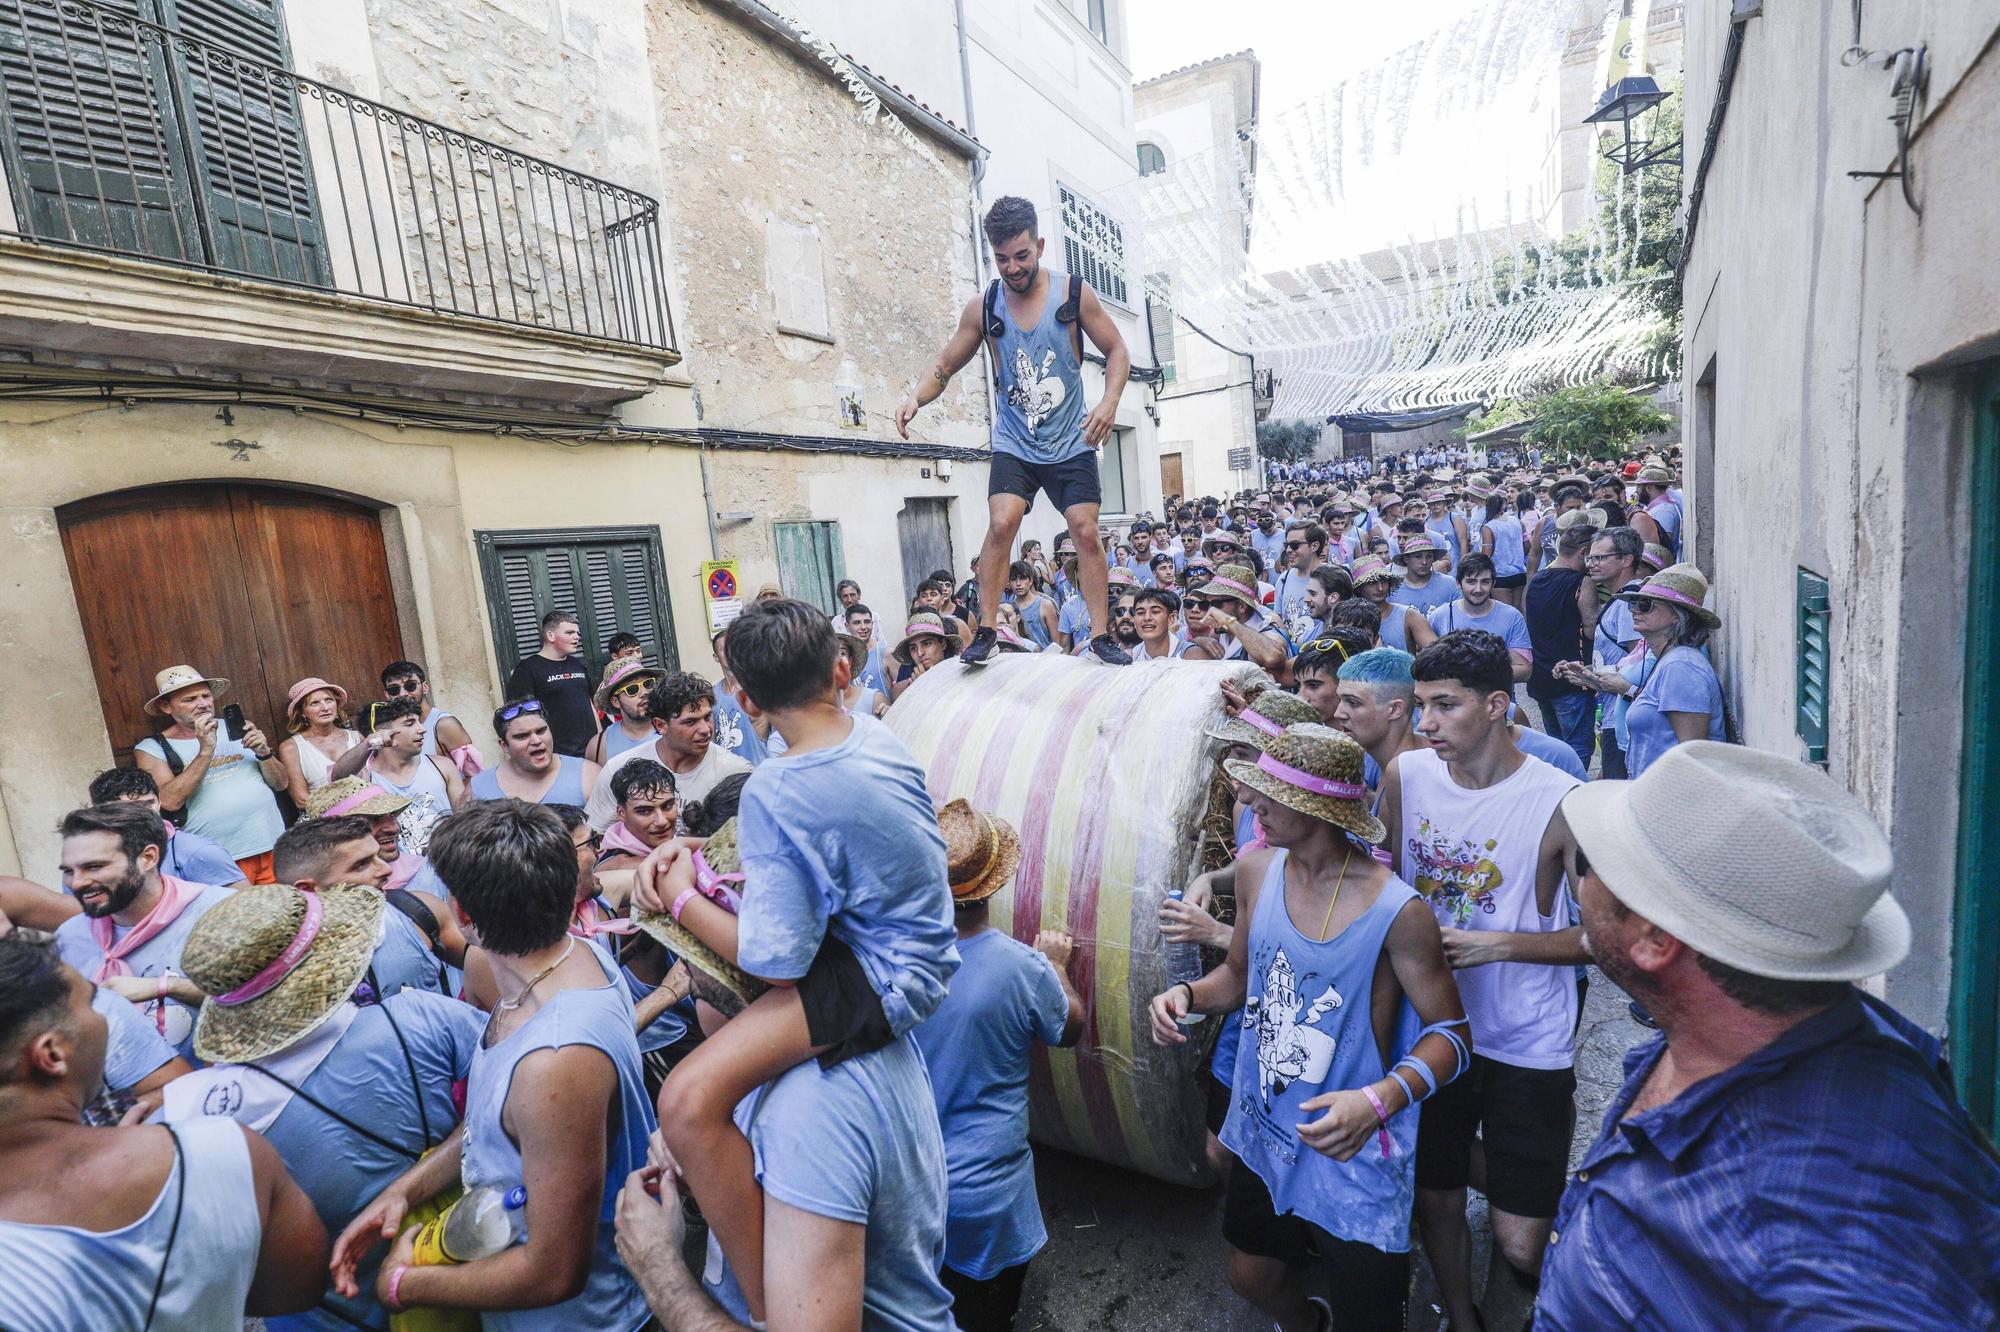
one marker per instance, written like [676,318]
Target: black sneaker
[1105,648]
[980,650]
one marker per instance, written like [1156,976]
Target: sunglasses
[513,710]
[1324,645]
[631,689]
[1296,545]
[1196,603]
[1640,605]
[398,689]
[590,843]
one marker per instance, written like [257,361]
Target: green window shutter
[810,561]
[611,579]
[1160,316]
[1975,922]
[1815,662]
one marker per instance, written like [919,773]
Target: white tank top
[429,797]
[317,767]
[1473,855]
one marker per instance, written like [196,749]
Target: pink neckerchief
[402,869]
[176,896]
[591,919]
[620,838]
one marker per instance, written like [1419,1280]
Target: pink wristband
[680,903]
[1382,1118]
[166,984]
[393,1302]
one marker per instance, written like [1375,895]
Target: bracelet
[166,984]
[680,903]
[393,1300]
[1190,989]
[1382,1119]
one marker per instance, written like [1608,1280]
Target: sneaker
[980,649]
[1105,648]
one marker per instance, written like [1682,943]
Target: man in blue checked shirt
[1788,1153]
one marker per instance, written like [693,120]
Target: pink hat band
[1258,721]
[1231,585]
[282,965]
[912,630]
[353,802]
[1662,592]
[1306,781]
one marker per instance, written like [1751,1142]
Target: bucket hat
[1371,568]
[981,852]
[176,678]
[1233,580]
[1264,717]
[1315,770]
[1656,555]
[619,675]
[1479,486]
[1682,584]
[920,624]
[1653,475]
[1417,545]
[353,795]
[1222,537]
[1120,576]
[716,981]
[1682,845]
[1565,521]
[276,962]
[304,689]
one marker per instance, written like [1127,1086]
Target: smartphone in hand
[232,721]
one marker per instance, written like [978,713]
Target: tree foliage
[1287,441]
[1598,420]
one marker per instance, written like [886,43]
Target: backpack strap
[1071,312]
[419,912]
[991,322]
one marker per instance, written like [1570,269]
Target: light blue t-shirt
[1542,745]
[232,806]
[1004,998]
[1441,590]
[1270,545]
[1039,416]
[403,959]
[1074,618]
[158,956]
[844,840]
[1683,681]
[195,858]
[1500,618]
[734,730]
[859,1143]
[133,1048]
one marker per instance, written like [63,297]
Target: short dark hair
[511,867]
[34,990]
[501,721]
[1478,562]
[305,848]
[115,784]
[1009,216]
[572,816]
[938,576]
[644,776]
[1315,535]
[1332,650]
[856,609]
[703,817]
[1159,596]
[1159,558]
[1020,569]
[135,826]
[1334,580]
[397,670]
[1472,657]
[397,708]
[619,641]
[556,617]
[1781,998]
[683,689]
[783,653]
[1359,612]
[1578,537]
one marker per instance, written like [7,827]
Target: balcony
[1263,392]
[178,202]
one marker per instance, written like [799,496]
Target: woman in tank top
[1501,539]
[319,736]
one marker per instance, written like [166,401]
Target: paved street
[1129,1254]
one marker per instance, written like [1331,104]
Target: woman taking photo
[1673,690]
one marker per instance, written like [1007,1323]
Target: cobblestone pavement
[1130,1254]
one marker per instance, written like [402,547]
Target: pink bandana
[1306,781]
[593,918]
[176,896]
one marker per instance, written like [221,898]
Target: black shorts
[1367,1288]
[1524,1117]
[1511,580]
[1068,483]
[843,1012]
[985,1306]
[1217,1109]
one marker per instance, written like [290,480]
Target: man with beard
[682,706]
[1044,439]
[1124,627]
[135,919]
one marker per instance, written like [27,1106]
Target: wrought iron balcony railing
[187,141]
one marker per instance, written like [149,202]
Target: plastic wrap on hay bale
[1106,772]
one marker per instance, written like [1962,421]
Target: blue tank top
[566,789]
[617,742]
[601,1018]
[1510,556]
[61,1278]
[1032,627]
[1040,416]
[1395,625]
[1308,1029]
[1445,534]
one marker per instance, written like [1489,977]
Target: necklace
[509,1005]
[1338,883]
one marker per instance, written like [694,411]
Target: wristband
[1382,1119]
[393,1299]
[166,984]
[680,903]
[1190,989]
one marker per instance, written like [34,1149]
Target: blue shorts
[1067,483]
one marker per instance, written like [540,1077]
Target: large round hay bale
[1105,772]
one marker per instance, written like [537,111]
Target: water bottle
[1184,963]
[482,1223]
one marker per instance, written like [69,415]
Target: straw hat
[1417,545]
[1681,846]
[299,692]
[1682,584]
[1654,475]
[981,852]
[353,795]
[1370,568]
[176,678]
[1479,486]
[1315,770]
[1263,718]
[1600,517]
[921,623]
[1120,576]
[716,982]
[275,963]
[1565,521]
[1006,640]
[1234,580]
[1656,555]
[622,672]
[1222,537]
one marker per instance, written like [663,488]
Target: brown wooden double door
[260,585]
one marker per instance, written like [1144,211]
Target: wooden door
[1170,475]
[923,532]
[259,585]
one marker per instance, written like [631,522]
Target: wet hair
[620,641]
[642,777]
[783,652]
[115,784]
[135,826]
[1359,612]
[703,817]
[510,866]
[1474,658]
[1478,562]
[1009,216]
[397,670]
[34,989]
[397,708]
[306,848]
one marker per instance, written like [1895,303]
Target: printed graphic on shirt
[728,730]
[413,825]
[1289,1047]
[1456,875]
[1036,392]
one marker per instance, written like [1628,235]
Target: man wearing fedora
[224,785]
[1788,1152]
[1422,589]
[1658,517]
[1004,999]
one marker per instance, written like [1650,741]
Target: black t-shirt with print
[564,688]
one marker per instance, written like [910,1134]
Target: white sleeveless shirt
[316,766]
[1473,857]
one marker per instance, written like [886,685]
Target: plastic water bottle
[1184,964]
[484,1222]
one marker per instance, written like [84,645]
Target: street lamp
[1621,104]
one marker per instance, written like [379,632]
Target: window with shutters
[1152,160]
[166,128]
[1160,320]
[610,578]
[1815,662]
[1093,245]
[810,561]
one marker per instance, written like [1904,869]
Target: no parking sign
[721,593]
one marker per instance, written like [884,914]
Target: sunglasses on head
[513,710]
[1324,645]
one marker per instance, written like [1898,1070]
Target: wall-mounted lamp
[1621,104]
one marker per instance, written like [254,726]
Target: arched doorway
[259,584]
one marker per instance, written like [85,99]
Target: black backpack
[1069,312]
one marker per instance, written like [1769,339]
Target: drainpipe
[707,489]
[978,194]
